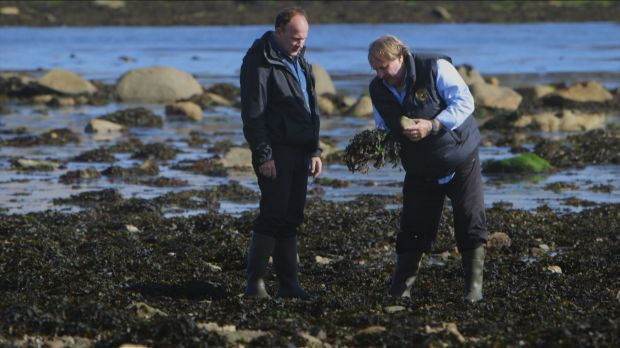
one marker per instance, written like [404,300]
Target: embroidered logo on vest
[421,94]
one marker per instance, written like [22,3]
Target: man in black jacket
[423,101]
[281,124]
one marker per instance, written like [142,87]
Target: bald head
[291,35]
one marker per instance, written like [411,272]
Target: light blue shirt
[298,71]
[453,90]
[295,67]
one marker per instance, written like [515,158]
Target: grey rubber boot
[261,247]
[287,269]
[473,265]
[407,265]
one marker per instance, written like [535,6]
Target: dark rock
[55,137]
[16,131]
[593,147]
[560,186]
[156,151]
[159,182]
[96,155]
[576,202]
[135,117]
[226,90]
[602,188]
[335,183]
[192,199]
[105,94]
[147,168]
[131,145]
[197,139]
[221,146]
[210,166]
[335,157]
[77,176]
[92,198]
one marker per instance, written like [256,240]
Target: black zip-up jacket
[273,105]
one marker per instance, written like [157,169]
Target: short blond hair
[387,47]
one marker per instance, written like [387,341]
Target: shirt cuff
[446,179]
[446,120]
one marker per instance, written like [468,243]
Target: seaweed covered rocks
[368,147]
[593,147]
[120,271]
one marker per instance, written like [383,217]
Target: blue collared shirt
[294,65]
[453,90]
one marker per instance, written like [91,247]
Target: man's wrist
[435,126]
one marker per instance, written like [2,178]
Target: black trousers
[423,204]
[283,198]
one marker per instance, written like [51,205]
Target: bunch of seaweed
[374,147]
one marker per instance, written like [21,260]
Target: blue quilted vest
[435,156]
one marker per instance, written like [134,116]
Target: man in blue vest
[425,104]
[281,125]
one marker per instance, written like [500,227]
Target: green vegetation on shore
[136,13]
[525,163]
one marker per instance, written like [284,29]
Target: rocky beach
[128,199]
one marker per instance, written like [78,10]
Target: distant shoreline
[199,13]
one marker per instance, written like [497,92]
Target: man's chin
[389,82]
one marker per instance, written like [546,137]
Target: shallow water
[33,191]
[523,53]
[536,50]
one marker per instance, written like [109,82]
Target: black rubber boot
[473,265]
[287,269]
[261,247]
[407,265]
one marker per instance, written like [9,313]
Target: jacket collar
[272,52]
[410,73]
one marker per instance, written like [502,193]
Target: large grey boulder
[66,82]
[326,106]
[327,149]
[563,121]
[21,85]
[184,111]
[103,126]
[495,96]
[542,90]
[470,75]
[590,91]
[237,157]
[323,82]
[363,107]
[157,84]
